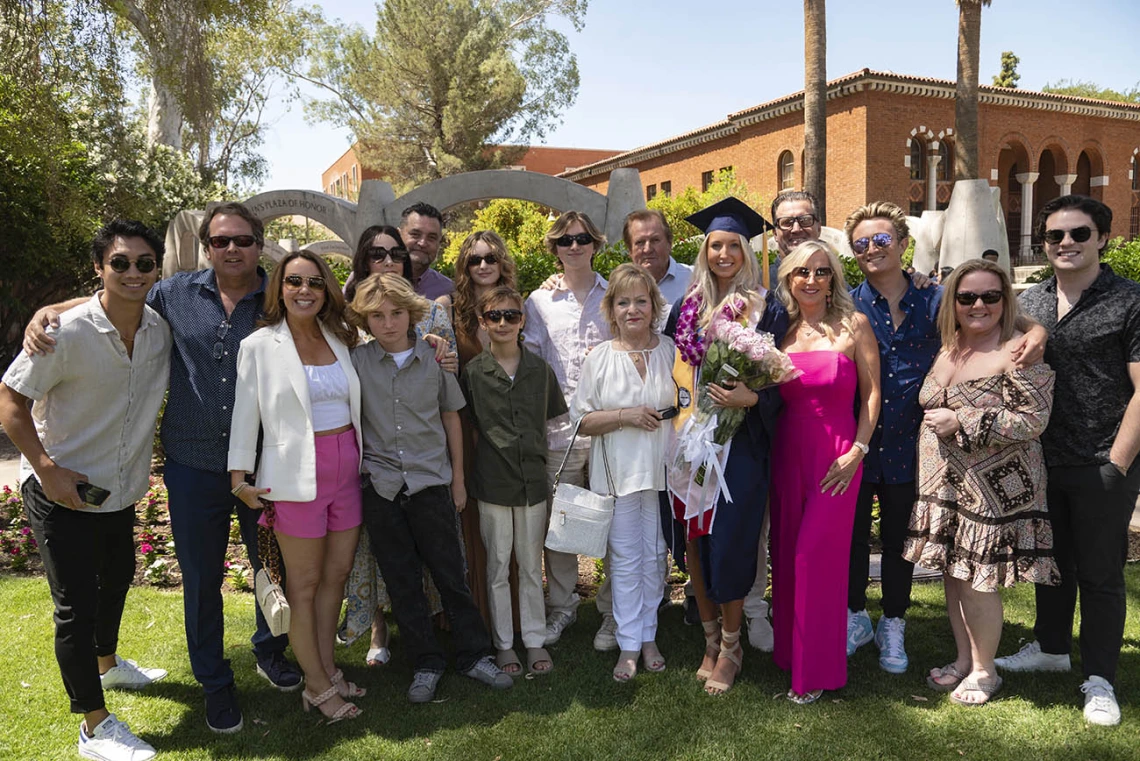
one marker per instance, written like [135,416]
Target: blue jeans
[201,507]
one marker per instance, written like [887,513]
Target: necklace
[814,328]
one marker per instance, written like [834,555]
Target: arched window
[917,160]
[787,171]
[946,165]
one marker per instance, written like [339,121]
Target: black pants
[896,501]
[1090,508]
[406,534]
[89,559]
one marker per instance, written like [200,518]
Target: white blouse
[610,381]
[328,396]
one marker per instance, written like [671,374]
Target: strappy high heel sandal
[346,711]
[712,646]
[346,689]
[731,651]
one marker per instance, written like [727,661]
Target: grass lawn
[578,712]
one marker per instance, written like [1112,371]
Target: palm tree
[966,96]
[815,101]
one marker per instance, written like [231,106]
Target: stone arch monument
[378,204]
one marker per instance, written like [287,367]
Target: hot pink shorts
[338,503]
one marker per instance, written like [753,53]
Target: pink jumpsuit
[811,531]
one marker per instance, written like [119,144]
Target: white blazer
[272,395]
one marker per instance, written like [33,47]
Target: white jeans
[637,567]
[523,530]
[562,567]
[755,606]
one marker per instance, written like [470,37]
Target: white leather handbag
[579,518]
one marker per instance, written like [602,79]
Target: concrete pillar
[1065,182]
[1027,179]
[932,160]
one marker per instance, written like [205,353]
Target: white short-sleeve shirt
[94,406]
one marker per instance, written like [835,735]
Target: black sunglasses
[223,241]
[821,273]
[495,316]
[220,346]
[881,240]
[315,282]
[1078,234]
[122,264]
[805,221]
[379,254]
[475,261]
[968,298]
[582,239]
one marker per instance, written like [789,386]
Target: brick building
[891,137]
[343,178]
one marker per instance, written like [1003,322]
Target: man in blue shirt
[905,320]
[209,312]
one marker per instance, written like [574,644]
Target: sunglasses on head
[315,282]
[122,264]
[582,239]
[969,298]
[1078,234]
[805,221]
[475,261]
[820,273]
[881,240]
[223,241]
[378,254]
[495,316]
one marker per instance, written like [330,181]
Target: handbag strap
[566,456]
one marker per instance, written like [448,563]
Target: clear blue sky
[655,68]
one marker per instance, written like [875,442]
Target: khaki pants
[521,529]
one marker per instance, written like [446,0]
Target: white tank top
[328,395]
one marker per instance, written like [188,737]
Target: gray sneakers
[606,638]
[556,623]
[488,673]
[423,686]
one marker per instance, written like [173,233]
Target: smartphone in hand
[91,494]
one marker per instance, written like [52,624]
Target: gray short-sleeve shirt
[401,425]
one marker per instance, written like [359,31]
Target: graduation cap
[731,215]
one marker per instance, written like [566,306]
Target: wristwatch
[866,449]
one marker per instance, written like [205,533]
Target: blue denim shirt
[905,357]
[203,367]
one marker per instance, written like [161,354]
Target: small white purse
[579,518]
[271,600]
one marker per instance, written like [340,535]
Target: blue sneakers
[859,630]
[892,651]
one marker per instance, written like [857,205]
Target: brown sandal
[712,646]
[731,651]
[535,656]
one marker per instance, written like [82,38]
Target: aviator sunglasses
[821,273]
[582,239]
[315,282]
[121,264]
[495,316]
[1078,234]
[223,241]
[881,240]
[968,298]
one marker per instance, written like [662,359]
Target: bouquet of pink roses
[738,354]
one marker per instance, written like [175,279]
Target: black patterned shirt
[1090,349]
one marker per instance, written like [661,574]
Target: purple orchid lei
[688,338]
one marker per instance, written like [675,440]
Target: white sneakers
[556,623]
[606,638]
[112,740]
[128,675]
[1030,658]
[760,634]
[1100,702]
[890,637]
